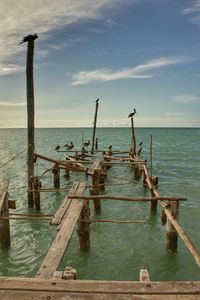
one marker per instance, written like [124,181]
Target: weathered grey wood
[94,127]
[172,235]
[131,199]
[4,212]
[83,229]
[195,253]
[64,206]
[63,237]
[90,289]
[30,117]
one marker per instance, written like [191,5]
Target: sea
[118,251]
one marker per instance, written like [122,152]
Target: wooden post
[94,128]
[95,191]
[30,112]
[133,137]
[84,227]
[137,172]
[56,174]
[36,194]
[172,235]
[151,164]
[4,212]
[153,179]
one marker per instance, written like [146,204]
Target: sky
[142,54]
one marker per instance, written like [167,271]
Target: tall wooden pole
[30,113]
[94,128]
[133,137]
[151,160]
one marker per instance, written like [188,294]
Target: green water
[117,251]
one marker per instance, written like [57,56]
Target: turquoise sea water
[117,251]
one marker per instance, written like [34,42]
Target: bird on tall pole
[29,38]
[97,100]
[132,114]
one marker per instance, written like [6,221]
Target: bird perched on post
[132,114]
[29,38]
[97,100]
[87,143]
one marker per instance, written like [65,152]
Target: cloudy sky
[142,54]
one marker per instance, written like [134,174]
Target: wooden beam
[131,199]
[32,288]
[63,237]
[64,205]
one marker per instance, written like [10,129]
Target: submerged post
[94,128]
[30,111]
[84,227]
[172,235]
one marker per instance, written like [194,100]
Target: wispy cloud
[7,69]
[193,10]
[11,104]
[103,75]
[186,98]
[19,18]
[175,114]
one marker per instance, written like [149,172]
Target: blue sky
[142,54]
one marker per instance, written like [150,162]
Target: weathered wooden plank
[101,287]
[96,166]
[63,237]
[64,206]
[131,199]
[34,295]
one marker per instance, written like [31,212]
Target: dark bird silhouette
[97,100]
[29,38]
[141,143]
[69,146]
[132,114]
[57,148]
[110,147]
[86,144]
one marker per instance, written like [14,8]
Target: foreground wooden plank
[63,237]
[32,288]
[64,206]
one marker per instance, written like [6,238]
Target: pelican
[57,148]
[29,38]
[132,114]
[69,146]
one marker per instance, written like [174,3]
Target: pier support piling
[36,184]
[56,178]
[4,212]
[83,230]
[172,235]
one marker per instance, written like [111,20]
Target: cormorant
[97,100]
[57,148]
[132,114]
[29,38]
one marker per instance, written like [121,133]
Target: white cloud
[20,18]
[6,69]
[193,11]
[103,75]
[186,98]
[11,104]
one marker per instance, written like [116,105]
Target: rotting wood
[60,243]
[64,205]
[172,235]
[56,176]
[4,214]
[36,195]
[95,123]
[124,198]
[102,289]
[30,116]
[83,229]
[195,253]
